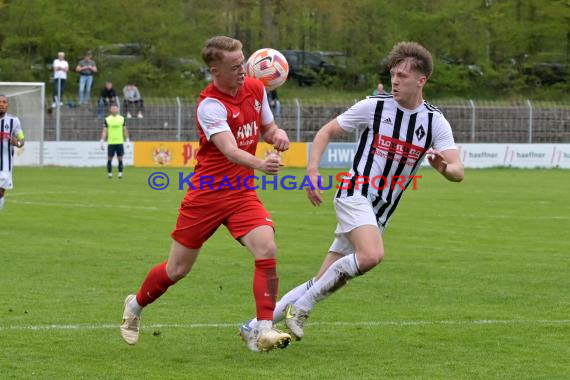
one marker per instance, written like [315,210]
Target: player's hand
[436,160]
[102,142]
[314,195]
[271,164]
[280,140]
[127,143]
[17,143]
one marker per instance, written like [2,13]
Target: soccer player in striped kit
[11,135]
[396,132]
[232,114]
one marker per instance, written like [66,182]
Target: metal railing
[173,119]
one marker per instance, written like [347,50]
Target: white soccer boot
[131,323]
[249,334]
[295,321]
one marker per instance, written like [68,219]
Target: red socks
[154,285]
[265,288]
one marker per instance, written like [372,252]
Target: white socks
[333,279]
[134,307]
[306,295]
[291,297]
[1,203]
[264,325]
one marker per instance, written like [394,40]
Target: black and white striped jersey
[9,127]
[393,142]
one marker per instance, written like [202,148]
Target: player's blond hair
[418,57]
[214,48]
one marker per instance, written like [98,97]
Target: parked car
[305,66]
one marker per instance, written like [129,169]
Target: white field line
[524,217]
[83,205]
[153,208]
[341,324]
[509,216]
[39,194]
[89,191]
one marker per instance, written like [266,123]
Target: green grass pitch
[475,283]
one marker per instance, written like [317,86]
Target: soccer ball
[269,66]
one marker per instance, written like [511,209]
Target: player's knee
[369,258]
[178,271]
[266,250]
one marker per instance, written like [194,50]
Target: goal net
[27,102]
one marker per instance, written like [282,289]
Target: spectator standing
[274,102]
[60,69]
[379,89]
[86,69]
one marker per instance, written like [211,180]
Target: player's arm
[104,132]
[18,139]
[103,136]
[322,139]
[448,163]
[126,134]
[271,133]
[443,156]
[354,119]
[275,136]
[227,144]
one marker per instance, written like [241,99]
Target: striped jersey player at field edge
[397,131]
[11,135]
[232,114]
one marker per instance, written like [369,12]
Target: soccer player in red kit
[232,114]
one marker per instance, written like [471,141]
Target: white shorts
[6,180]
[351,212]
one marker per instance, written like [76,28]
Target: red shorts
[198,219]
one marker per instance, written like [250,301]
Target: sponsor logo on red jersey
[247,134]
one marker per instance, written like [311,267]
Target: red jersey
[243,115]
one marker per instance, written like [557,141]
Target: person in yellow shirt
[117,135]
